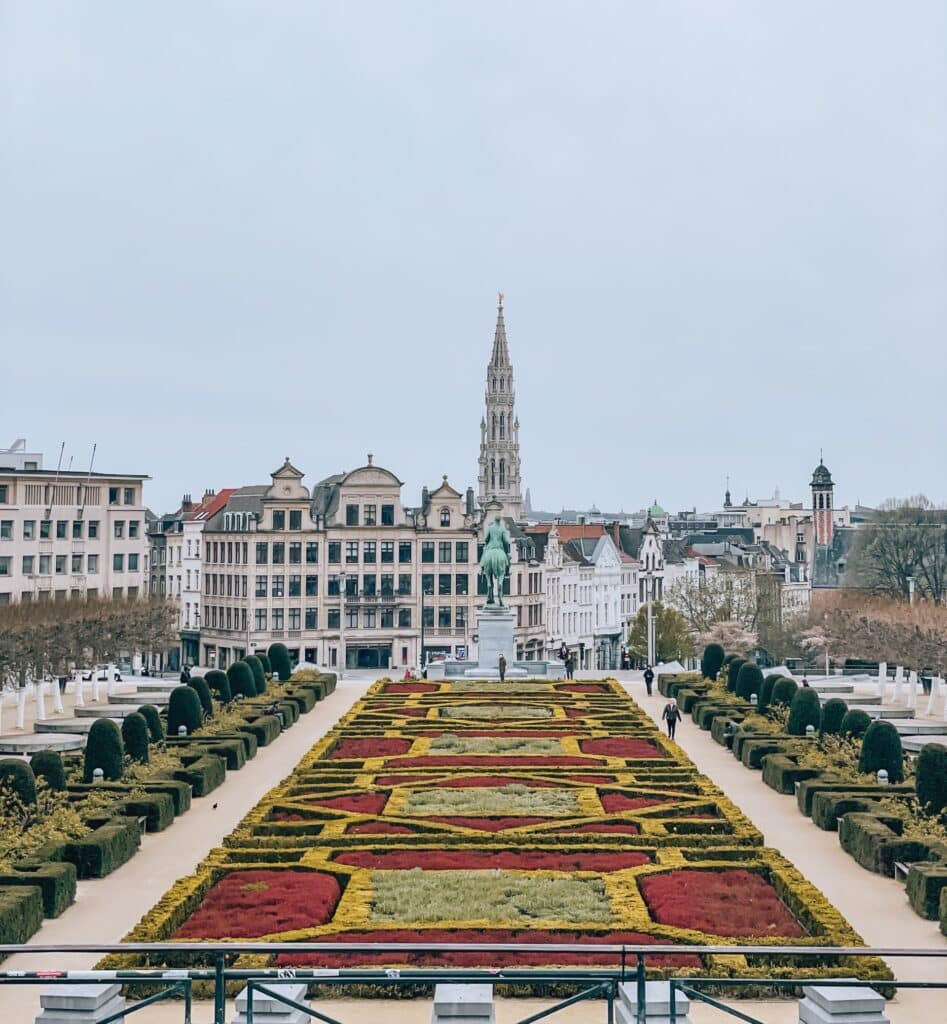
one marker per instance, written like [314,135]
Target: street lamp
[341,665]
[649,593]
[910,590]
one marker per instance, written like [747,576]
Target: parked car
[102,673]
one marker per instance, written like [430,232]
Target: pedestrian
[671,715]
[185,675]
[502,666]
[648,678]
[570,666]
[805,683]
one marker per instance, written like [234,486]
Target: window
[351,552]
[404,551]
[77,529]
[427,583]
[312,618]
[77,563]
[294,616]
[29,529]
[351,515]
[129,496]
[61,525]
[312,586]
[428,618]
[28,565]
[279,519]
[295,553]
[133,567]
[462,584]
[461,551]
[93,531]
[5,565]
[445,517]
[44,529]
[443,583]
[404,584]
[404,618]
[260,590]
[443,617]
[295,586]
[133,532]
[369,515]
[92,563]
[369,618]
[6,529]
[261,552]
[45,561]
[351,586]
[332,618]
[260,618]
[335,552]
[388,515]
[427,551]
[333,586]
[388,551]
[368,551]
[460,616]
[116,592]
[351,618]
[312,553]
[276,586]
[4,492]
[113,495]
[279,552]
[444,551]
[369,583]
[387,618]
[118,563]
[387,585]
[276,618]
[296,519]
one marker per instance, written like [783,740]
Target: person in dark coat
[570,667]
[502,667]
[648,679]
[671,716]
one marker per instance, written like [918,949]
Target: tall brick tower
[822,512]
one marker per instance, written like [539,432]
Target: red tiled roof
[211,505]
[571,531]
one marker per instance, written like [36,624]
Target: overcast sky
[231,232]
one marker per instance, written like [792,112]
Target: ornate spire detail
[501,355]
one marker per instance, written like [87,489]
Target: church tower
[822,488]
[499,463]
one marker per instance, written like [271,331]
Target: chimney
[615,535]
[186,504]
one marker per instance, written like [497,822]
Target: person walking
[648,679]
[502,666]
[570,666]
[185,675]
[671,716]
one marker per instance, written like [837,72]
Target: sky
[232,232]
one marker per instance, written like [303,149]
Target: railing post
[611,1002]
[640,989]
[673,1002]
[220,989]
[187,1001]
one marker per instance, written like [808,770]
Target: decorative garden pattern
[462,812]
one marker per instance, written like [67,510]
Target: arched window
[493,472]
[445,517]
[821,501]
[493,428]
[502,426]
[494,383]
[501,383]
[502,473]
[828,501]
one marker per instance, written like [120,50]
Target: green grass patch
[516,801]
[488,712]
[451,744]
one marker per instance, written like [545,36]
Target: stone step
[657,999]
[267,1010]
[861,699]
[80,1004]
[463,1003]
[61,725]
[32,743]
[157,697]
[910,727]
[915,744]
[107,711]
[882,712]
[845,1004]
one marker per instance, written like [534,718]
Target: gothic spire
[500,356]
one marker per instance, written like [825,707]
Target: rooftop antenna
[52,495]
[88,479]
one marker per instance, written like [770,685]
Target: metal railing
[630,966]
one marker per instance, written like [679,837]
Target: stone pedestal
[495,626]
[80,1004]
[267,1010]
[845,1004]
[657,1003]
[463,1004]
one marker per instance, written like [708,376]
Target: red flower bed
[620,746]
[626,828]
[469,860]
[583,688]
[250,904]
[471,959]
[411,687]
[735,903]
[489,761]
[614,802]
[360,747]
[379,828]
[285,816]
[359,803]
[488,824]
[577,713]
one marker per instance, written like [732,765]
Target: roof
[210,505]
[821,477]
[656,512]
[500,355]
[569,531]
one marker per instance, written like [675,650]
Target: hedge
[926,884]
[18,776]
[720,728]
[781,772]
[930,778]
[755,749]
[55,880]
[184,708]
[242,683]
[827,783]
[200,687]
[265,662]
[156,808]
[874,845]
[21,913]
[231,750]
[855,724]
[47,765]
[805,710]
[152,717]
[733,672]
[828,807]
[881,750]
[749,681]
[104,750]
[104,849]
[256,667]
[305,699]
[179,792]
[204,773]
[219,684]
[783,692]
[706,714]
[766,691]
[711,660]
[135,737]
[279,659]
[266,728]
[832,716]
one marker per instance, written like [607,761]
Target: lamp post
[649,593]
[341,665]
[910,590]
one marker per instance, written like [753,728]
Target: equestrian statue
[495,562]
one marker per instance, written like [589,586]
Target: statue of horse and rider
[495,562]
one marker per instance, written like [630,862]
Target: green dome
[656,512]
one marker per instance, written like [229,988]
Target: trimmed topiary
[104,750]
[930,780]
[749,680]
[256,667]
[783,693]
[153,717]
[854,724]
[265,662]
[766,691]
[833,712]
[219,684]
[881,748]
[200,687]
[711,661]
[805,710]
[135,737]
[279,659]
[184,708]
[733,671]
[47,765]
[242,683]
[18,776]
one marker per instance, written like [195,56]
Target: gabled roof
[210,505]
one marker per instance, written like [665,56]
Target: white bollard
[912,689]
[57,698]
[80,691]
[40,696]
[21,708]
[95,687]
[882,679]
[898,684]
[935,691]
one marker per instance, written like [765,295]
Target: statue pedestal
[495,626]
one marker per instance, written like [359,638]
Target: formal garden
[459,812]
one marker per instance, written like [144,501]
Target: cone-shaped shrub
[805,710]
[184,708]
[881,748]
[200,687]
[930,779]
[727,659]
[265,662]
[749,680]
[766,691]
[104,750]
[256,667]
[18,776]
[219,684]
[783,692]
[279,659]
[153,717]
[732,672]
[711,661]
[854,724]
[241,680]
[135,737]
[47,765]
[833,711]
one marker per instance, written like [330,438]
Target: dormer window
[445,517]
